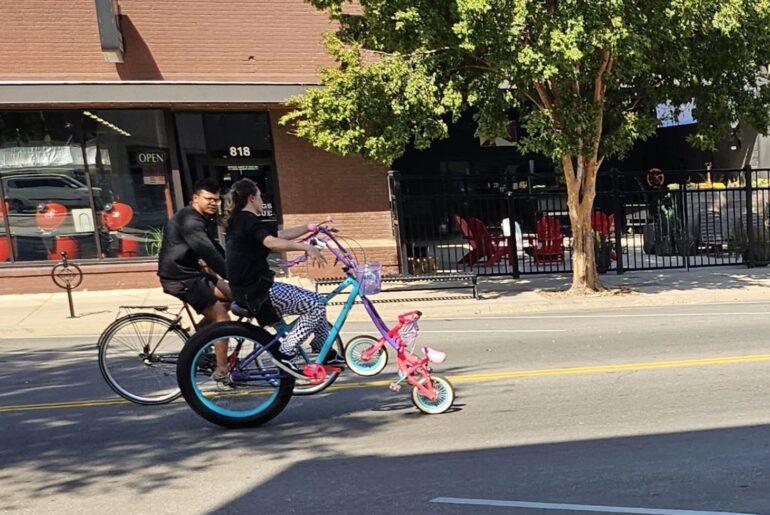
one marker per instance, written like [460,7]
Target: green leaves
[373,107]
[580,76]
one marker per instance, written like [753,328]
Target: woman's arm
[292,233]
[281,244]
[295,232]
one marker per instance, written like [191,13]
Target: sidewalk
[47,314]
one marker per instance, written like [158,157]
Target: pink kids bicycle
[366,356]
[261,386]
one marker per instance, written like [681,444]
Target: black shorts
[197,291]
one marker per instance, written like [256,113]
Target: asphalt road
[654,410]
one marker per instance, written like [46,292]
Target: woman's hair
[238,196]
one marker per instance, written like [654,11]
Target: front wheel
[445,396]
[355,357]
[258,390]
[138,355]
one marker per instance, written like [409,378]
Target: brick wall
[212,40]
[112,276]
[314,183]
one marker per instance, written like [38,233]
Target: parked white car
[24,192]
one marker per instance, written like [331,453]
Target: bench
[466,280]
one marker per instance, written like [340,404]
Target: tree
[582,77]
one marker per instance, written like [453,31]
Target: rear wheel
[445,396]
[259,390]
[356,360]
[138,355]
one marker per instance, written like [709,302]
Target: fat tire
[203,338]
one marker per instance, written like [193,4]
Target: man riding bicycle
[191,264]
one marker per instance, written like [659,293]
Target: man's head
[205,199]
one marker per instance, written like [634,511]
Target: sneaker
[286,360]
[334,359]
[224,383]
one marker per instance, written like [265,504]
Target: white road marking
[449,331]
[576,507]
[50,337]
[606,315]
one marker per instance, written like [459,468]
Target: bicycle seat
[435,356]
[240,311]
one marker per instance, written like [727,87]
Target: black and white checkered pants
[288,299]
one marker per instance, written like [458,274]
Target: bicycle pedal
[395,387]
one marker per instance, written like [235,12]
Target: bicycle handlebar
[340,253]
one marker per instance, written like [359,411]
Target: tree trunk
[581,190]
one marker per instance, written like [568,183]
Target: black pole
[513,256]
[68,285]
[749,217]
[685,222]
[69,299]
[90,188]
[6,222]
[615,176]
[397,211]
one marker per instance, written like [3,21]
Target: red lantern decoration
[117,215]
[50,216]
[5,248]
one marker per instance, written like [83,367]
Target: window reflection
[133,173]
[91,183]
[42,167]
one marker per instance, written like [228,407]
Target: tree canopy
[579,75]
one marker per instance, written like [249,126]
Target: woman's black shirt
[247,268]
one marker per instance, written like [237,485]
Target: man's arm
[193,230]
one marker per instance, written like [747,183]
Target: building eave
[19,93]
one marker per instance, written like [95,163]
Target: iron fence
[513,223]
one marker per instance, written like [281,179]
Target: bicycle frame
[174,318]
[350,281]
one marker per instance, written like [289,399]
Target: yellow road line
[462,378]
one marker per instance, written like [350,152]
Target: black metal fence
[512,224]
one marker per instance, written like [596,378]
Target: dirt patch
[608,292]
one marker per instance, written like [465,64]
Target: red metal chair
[491,248]
[548,244]
[601,223]
[471,257]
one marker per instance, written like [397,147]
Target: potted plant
[738,245]
[603,252]
[152,241]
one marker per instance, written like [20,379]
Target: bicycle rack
[67,276]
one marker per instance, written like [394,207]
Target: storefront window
[131,176]
[92,183]
[48,205]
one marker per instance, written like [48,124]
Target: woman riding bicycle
[249,242]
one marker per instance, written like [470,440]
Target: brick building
[100,144]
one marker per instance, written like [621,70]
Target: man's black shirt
[187,237]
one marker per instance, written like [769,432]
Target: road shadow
[637,282]
[692,470]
